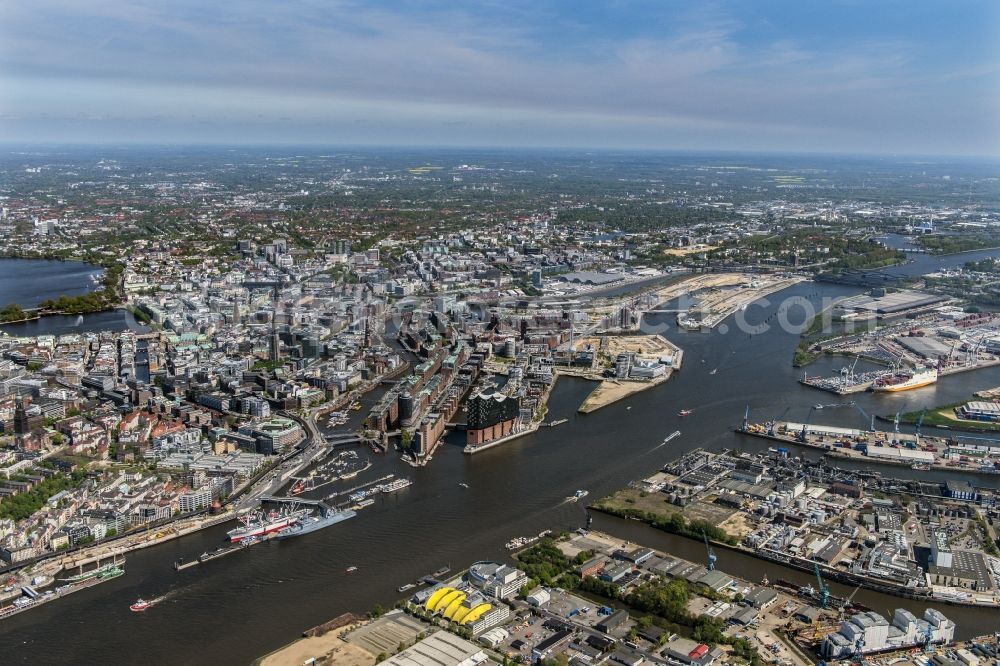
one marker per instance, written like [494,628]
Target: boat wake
[666,440]
[159,599]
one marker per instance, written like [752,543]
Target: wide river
[237,608]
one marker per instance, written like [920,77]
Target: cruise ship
[258,524]
[314,523]
[905,380]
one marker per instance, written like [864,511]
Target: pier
[351,491]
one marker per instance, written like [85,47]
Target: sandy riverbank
[329,648]
[610,391]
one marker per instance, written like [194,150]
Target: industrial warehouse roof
[926,347]
[591,277]
[440,649]
[897,301]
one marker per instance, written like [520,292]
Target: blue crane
[928,636]
[859,656]
[824,591]
[711,553]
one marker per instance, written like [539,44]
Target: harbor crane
[822,589]
[844,604]
[802,433]
[916,429]
[774,421]
[928,637]
[847,376]
[859,655]
[868,417]
[711,553]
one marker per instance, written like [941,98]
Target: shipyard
[912,539]
[956,453]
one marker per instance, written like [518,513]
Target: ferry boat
[398,484]
[256,525]
[905,380]
[139,606]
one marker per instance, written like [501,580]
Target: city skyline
[841,78]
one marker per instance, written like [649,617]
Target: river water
[232,610]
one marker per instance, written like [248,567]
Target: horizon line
[486,147]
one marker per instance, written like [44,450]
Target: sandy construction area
[613,390]
[326,649]
[645,346]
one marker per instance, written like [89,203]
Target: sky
[841,76]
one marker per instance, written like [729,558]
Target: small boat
[139,606]
[580,494]
[685,412]
[404,588]
[351,569]
[464,485]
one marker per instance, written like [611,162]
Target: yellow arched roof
[475,614]
[461,613]
[432,601]
[444,601]
[454,606]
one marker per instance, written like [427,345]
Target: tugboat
[139,606]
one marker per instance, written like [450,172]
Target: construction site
[636,363]
[717,296]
